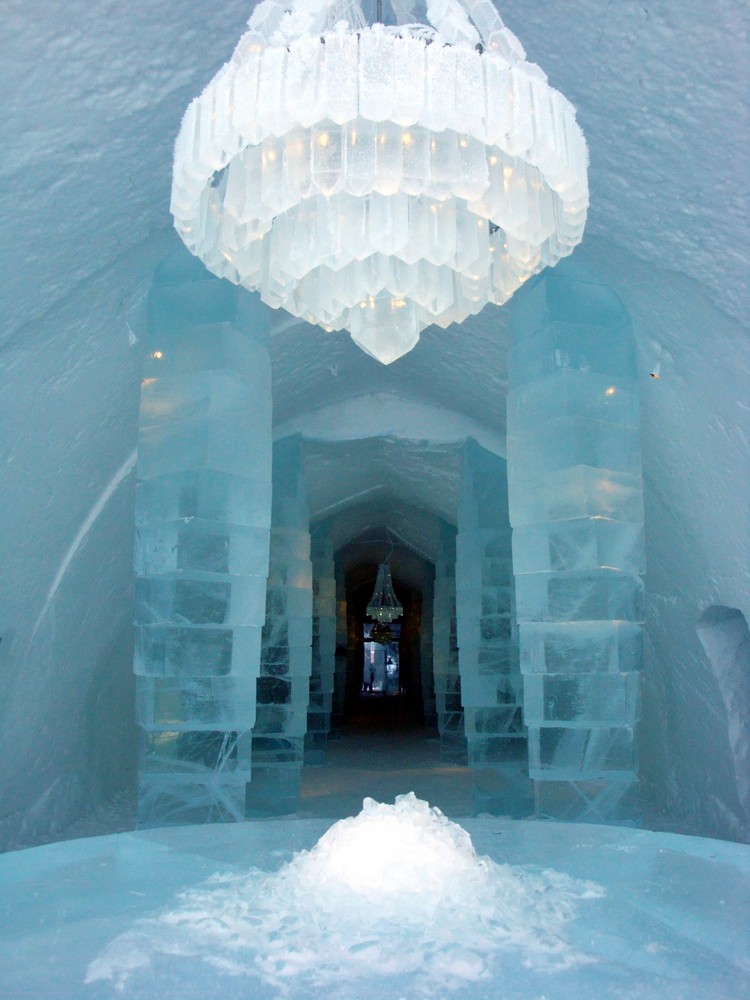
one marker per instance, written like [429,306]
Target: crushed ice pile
[394,894]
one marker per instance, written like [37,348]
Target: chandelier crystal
[384,606]
[379,178]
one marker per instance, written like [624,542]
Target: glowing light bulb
[158,355]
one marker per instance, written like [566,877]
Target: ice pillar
[576,507]
[203,507]
[323,648]
[491,686]
[342,640]
[447,680]
[284,682]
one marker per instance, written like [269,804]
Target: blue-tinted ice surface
[397,902]
[576,505]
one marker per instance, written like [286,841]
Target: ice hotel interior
[375,499]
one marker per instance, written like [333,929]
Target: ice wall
[278,743]
[491,686]
[576,506]
[201,560]
[447,679]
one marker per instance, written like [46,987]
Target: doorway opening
[381,675]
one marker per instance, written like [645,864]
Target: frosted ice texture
[576,506]
[283,687]
[491,686]
[447,679]
[201,557]
[396,895]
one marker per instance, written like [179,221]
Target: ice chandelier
[384,606]
[379,178]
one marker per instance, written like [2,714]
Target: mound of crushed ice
[394,894]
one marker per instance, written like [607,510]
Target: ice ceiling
[94,93]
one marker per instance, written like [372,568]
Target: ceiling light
[341,169]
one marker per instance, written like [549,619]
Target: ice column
[323,648]
[342,639]
[576,507]
[284,682]
[445,651]
[426,652]
[491,686]
[203,507]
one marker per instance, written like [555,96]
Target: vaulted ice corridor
[270,485]
[257,541]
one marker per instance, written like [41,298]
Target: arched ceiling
[381,482]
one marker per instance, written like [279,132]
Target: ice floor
[381,754]
[555,911]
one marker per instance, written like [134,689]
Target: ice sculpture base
[673,920]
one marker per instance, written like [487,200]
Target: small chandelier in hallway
[380,178]
[384,606]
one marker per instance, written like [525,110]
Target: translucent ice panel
[207,494]
[581,647]
[194,751]
[486,721]
[587,699]
[581,491]
[580,752]
[165,799]
[214,445]
[198,396]
[195,703]
[579,596]
[568,392]
[609,800]
[201,546]
[502,749]
[578,544]
[197,651]
[281,719]
[199,600]
[569,441]
[561,345]
[205,348]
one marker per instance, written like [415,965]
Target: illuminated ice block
[203,512]
[576,506]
